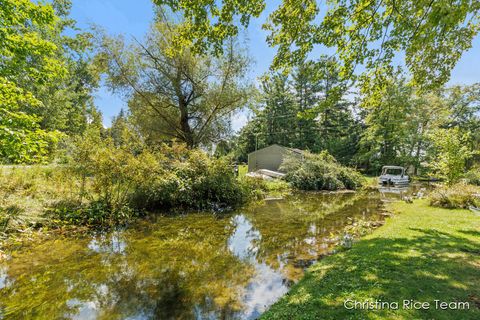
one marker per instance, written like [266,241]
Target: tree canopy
[45,82]
[430,34]
[28,56]
[375,94]
[307,110]
[176,96]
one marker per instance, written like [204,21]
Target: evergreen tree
[279,112]
[307,90]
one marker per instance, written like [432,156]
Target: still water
[196,266]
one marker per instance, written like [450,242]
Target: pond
[195,266]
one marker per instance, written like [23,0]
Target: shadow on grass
[430,266]
[470,232]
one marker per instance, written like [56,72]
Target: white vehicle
[393,176]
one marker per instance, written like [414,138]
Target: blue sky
[133,17]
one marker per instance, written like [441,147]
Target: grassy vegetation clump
[421,254]
[27,192]
[320,172]
[473,176]
[125,183]
[105,185]
[261,188]
[455,197]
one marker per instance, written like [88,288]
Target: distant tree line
[401,125]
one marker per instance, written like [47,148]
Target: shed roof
[295,150]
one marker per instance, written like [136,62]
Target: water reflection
[399,193]
[197,266]
[242,242]
[108,243]
[83,310]
[3,277]
[267,285]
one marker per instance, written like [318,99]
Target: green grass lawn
[422,253]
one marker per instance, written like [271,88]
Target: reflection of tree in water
[298,230]
[182,267]
[178,269]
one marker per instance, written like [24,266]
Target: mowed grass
[422,253]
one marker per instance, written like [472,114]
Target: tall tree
[387,121]
[307,88]
[306,110]
[250,138]
[118,128]
[279,112]
[400,123]
[67,105]
[172,94]
[464,105]
[428,112]
[28,56]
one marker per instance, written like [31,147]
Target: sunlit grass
[27,191]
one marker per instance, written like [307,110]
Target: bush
[115,173]
[473,176]
[190,179]
[208,184]
[451,153]
[461,196]
[118,184]
[320,172]
[351,178]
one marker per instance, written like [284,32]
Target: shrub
[451,153]
[114,171]
[258,188]
[351,178]
[320,172]
[118,184]
[473,176]
[208,184]
[456,196]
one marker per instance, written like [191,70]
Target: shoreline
[421,254]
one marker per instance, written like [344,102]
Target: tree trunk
[186,130]
[185,126]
